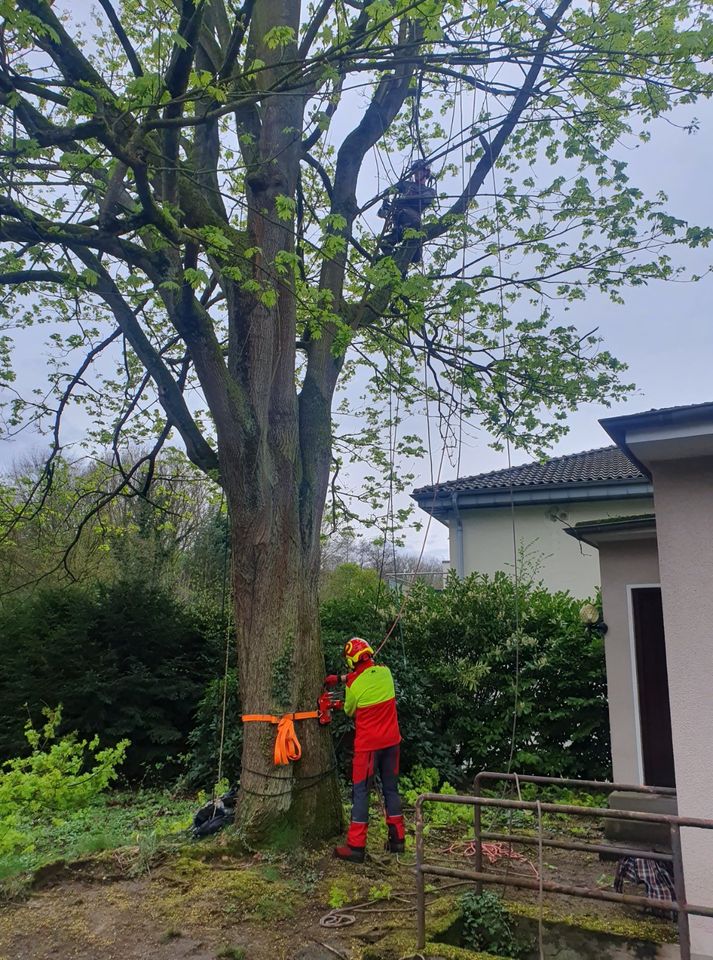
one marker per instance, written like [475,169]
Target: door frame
[633,655]
[630,587]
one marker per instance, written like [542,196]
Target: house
[657,598]
[538,500]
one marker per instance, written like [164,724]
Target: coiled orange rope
[287,744]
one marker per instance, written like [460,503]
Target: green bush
[427,780]
[127,660]
[59,775]
[454,657]
[458,681]
[130,661]
[202,760]
[487,925]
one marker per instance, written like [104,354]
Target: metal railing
[480,876]
[605,786]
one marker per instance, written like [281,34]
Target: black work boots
[350,854]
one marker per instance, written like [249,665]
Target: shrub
[487,925]
[59,775]
[453,656]
[456,674]
[201,766]
[426,780]
[127,660]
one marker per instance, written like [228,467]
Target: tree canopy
[130,149]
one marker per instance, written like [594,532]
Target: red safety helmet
[355,650]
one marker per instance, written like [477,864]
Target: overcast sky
[664,332]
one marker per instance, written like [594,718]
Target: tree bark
[281,668]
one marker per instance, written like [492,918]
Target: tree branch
[323,175]
[31,228]
[313,27]
[17,277]
[170,395]
[242,22]
[123,39]
[72,63]
[488,160]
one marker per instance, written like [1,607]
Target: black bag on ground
[214,815]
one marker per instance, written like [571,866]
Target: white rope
[516,569]
[540,866]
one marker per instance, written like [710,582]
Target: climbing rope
[493,853]
[226,632]
[540,931]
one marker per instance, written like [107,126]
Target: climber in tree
[405,211]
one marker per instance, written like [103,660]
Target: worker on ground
[371,700]
[406,210]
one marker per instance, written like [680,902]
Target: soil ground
[205,901]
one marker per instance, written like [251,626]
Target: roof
[685,416]
[603,465]
[593,531]
[693,408]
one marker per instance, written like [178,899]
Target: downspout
[460,556]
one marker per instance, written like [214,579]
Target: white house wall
[683,492]
[561,562]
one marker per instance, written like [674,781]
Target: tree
[79,530]
[190,189]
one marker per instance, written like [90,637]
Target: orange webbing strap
[287,746]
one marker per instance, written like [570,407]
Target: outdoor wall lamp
[590,615]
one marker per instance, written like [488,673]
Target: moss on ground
[400,946]
[444,914]
[401,941]
[215,886]
[225,893]
[629,928]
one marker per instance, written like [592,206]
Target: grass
[143,819]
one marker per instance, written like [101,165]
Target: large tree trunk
[281,668]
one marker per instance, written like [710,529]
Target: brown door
[652,676]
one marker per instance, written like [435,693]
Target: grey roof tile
[605,464]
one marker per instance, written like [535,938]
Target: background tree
[80,529]
[190,188]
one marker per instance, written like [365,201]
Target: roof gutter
[576,493]
[460,552]
[630,528]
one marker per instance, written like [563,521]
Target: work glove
[331,680]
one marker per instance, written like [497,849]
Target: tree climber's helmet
[356,650]
[421,166]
